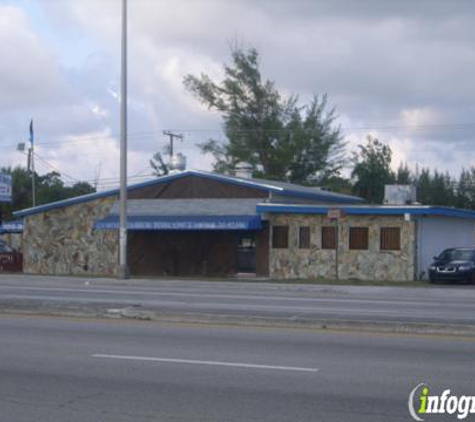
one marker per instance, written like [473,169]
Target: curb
[249,321]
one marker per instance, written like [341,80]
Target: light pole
[123,268]
[31,162]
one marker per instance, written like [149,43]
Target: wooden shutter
[359,238]
[390,239]
[280,237]
[328,237]
[304,237]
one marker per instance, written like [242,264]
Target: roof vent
[243,170]
[177,163]
[400,195]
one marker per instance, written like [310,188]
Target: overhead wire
[148,134]
[153,133]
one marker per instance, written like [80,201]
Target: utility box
[400,195]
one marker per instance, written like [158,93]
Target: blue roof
[368,210]
[279,188]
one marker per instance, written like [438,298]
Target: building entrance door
[246,254]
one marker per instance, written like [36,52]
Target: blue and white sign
[5,188]
[239,222]
[15,226]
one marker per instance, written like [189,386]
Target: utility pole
[335,215]
[172,136]
[123,268]
[31,153]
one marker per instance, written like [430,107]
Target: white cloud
[423,116]
[28,75]
[396,66]
[94,157]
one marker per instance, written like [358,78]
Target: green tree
[49,188]
[424,186]
[465,191]
[278,137]
[372,170]
[442,189]
[337,184]
[159,165]
[436,188]
[403,175]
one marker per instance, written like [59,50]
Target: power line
[196,148]
[74,179]
[147,134]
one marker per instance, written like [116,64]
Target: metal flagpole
[123,269]
[32,163]
[33,182]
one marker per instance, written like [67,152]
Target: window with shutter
[280,237]
[304,237]
[328,237]
[359,238]
[390,239]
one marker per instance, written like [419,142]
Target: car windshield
[461,255]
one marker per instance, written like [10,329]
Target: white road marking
[208,362]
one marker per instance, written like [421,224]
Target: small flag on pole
[32,136]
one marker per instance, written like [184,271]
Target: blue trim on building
[239,222]
[263,186]
[375,210]
[94,196]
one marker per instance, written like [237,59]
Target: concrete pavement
[59,370]
[448,310]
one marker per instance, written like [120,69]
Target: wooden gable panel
[196,187]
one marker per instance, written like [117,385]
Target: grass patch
[351,282]
[307,281]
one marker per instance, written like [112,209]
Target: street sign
[5,188]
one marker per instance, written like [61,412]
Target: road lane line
[207,362]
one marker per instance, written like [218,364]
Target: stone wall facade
[14,240]
[371,264]
[64,241]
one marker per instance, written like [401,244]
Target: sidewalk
[448,310]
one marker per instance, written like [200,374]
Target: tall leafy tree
[424,186]
[279,137]
[465,192]
[403,175]
[442,189]
[372,170]
[49,188]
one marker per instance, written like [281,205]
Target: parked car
[10,260]
[453,264]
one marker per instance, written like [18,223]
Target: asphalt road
[60,370]
[454,305]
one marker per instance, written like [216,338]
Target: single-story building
[196,223]
[371,242]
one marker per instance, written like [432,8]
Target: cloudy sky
[403,71]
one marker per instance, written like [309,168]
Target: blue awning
[227,222]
